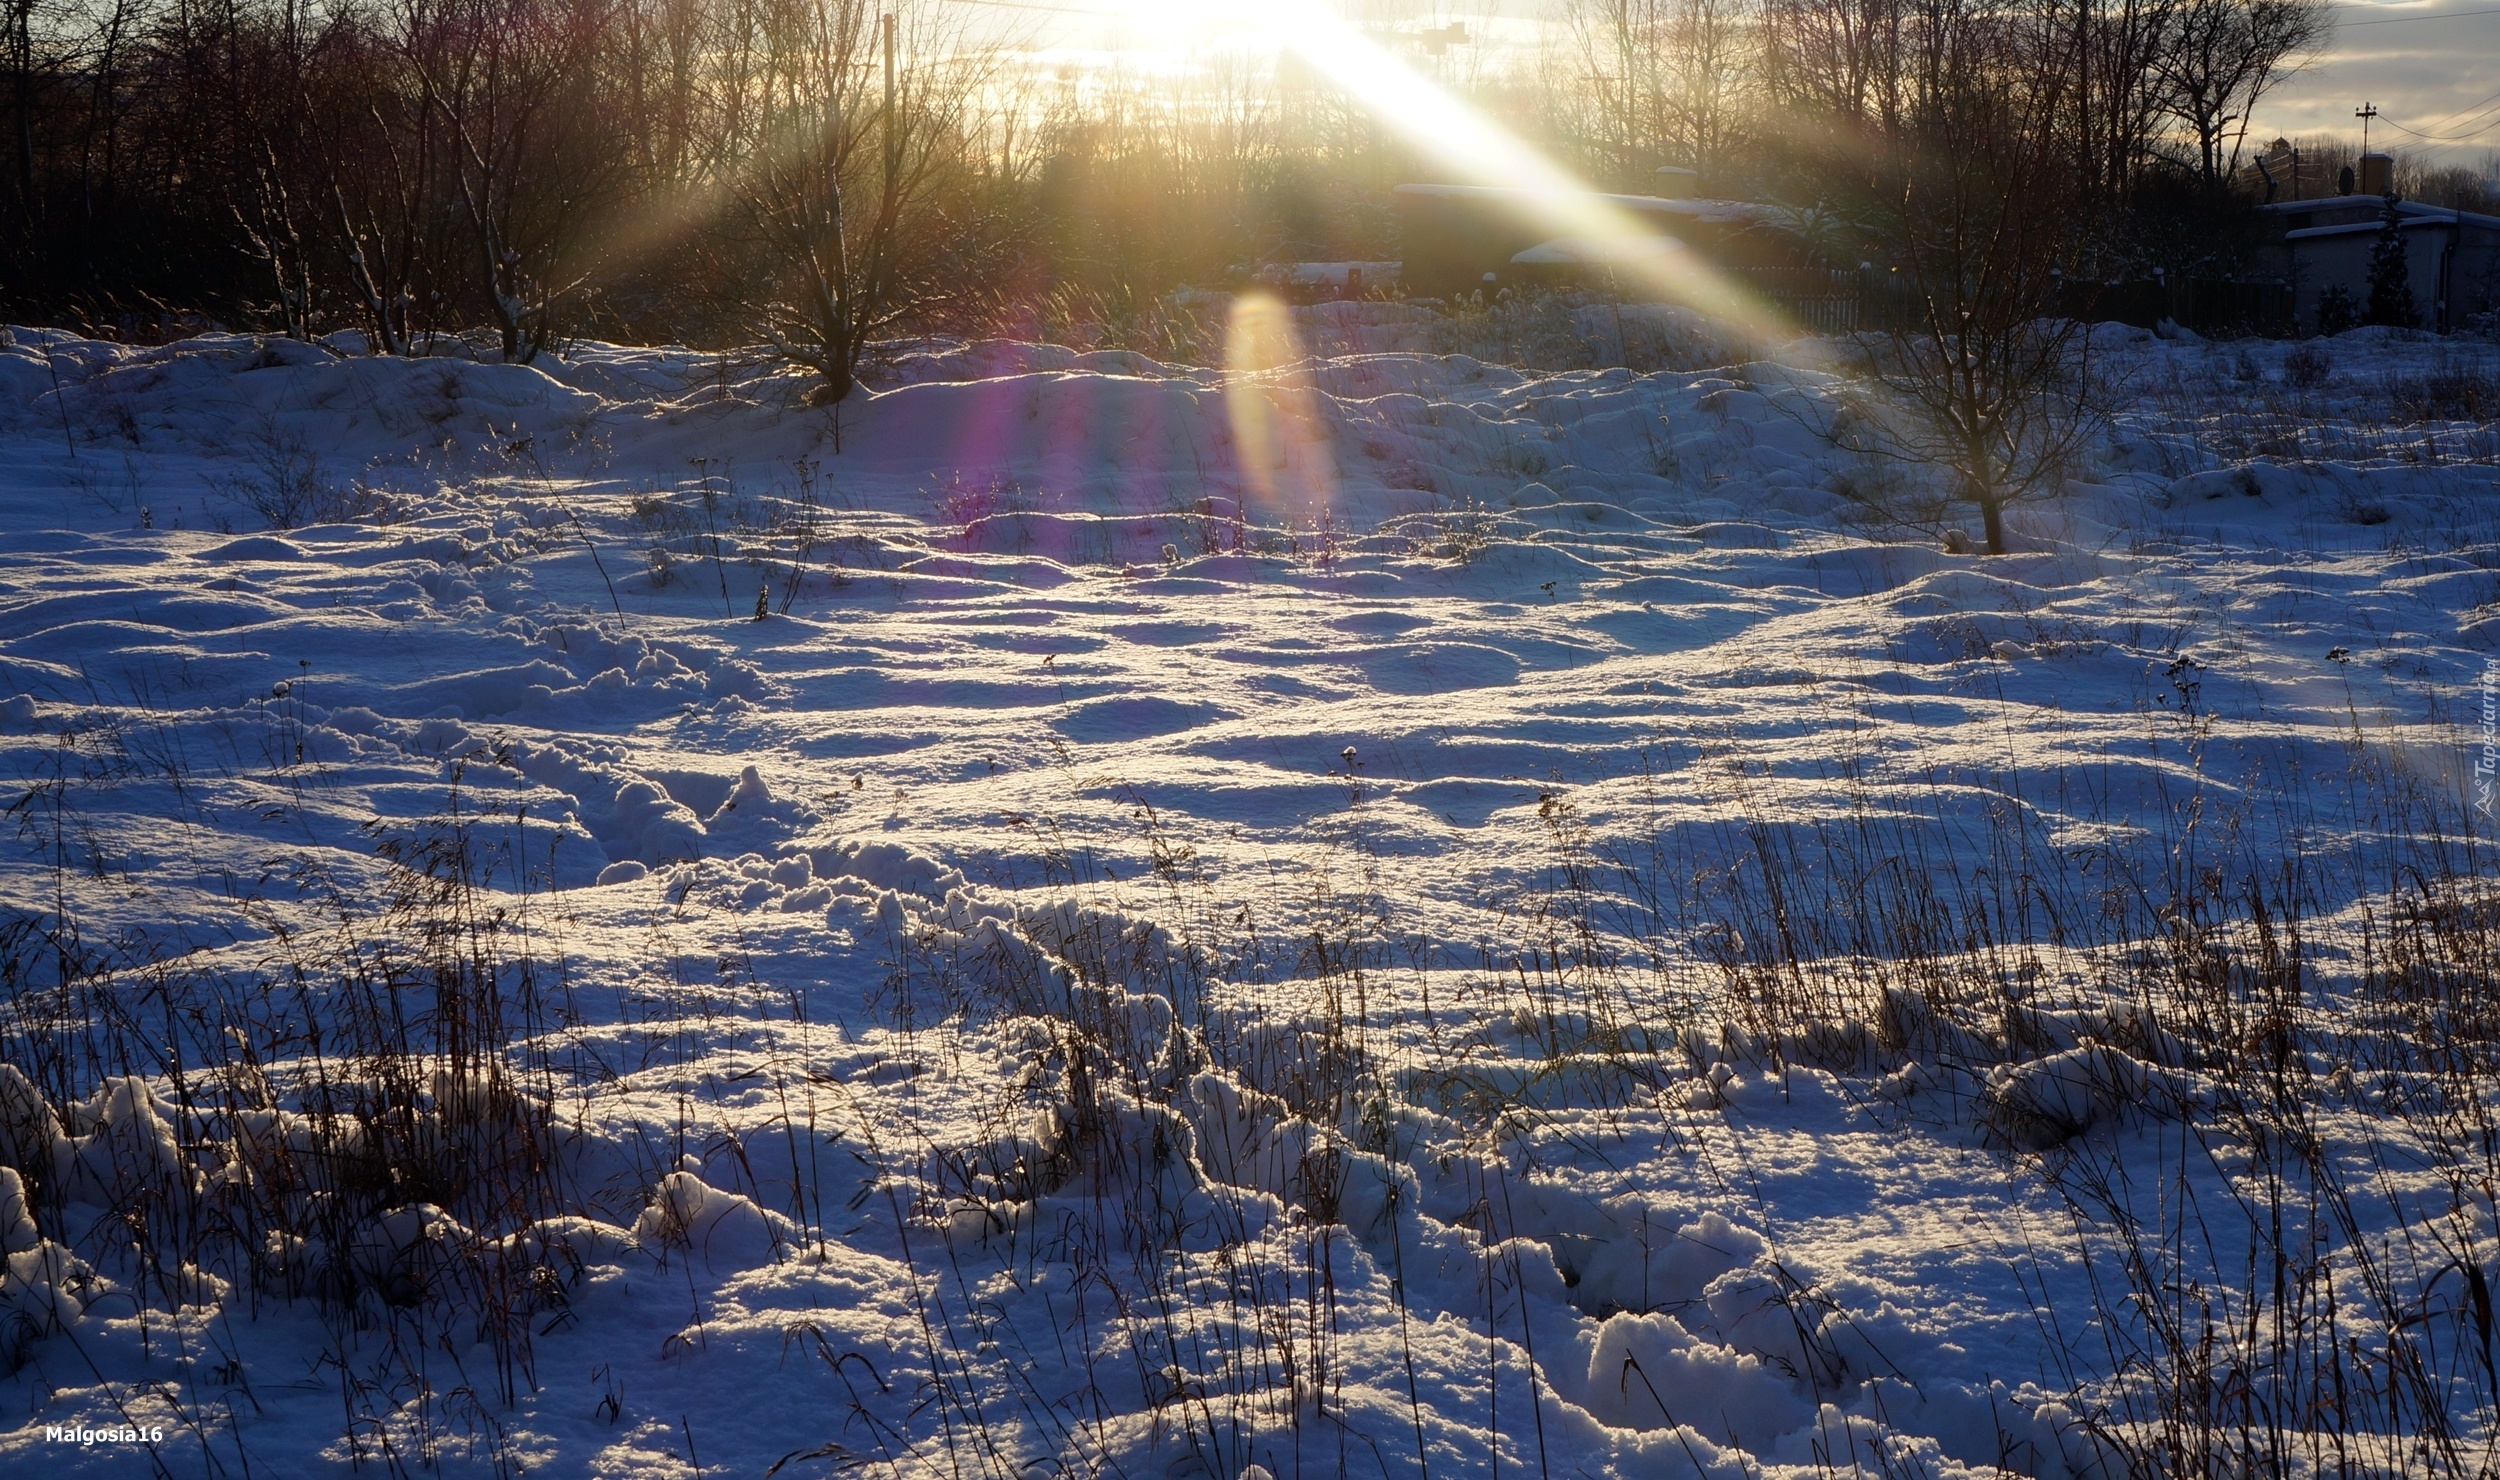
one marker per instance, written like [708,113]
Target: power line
[2393,20]
[1123,15]
[2479,111]
[2437,139]
[2396,20]
[2414,20]
[2467,111]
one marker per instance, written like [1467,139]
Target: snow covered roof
[1731,212]
[2374,225]
[1581,250]
[2411,212]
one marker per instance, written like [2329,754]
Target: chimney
[2378,175]
[1678,183]
[2279,166]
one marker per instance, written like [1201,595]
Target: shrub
[2452,390]
[2337,311]
[2306,367]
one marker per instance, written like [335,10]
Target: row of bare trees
[810,172]
[442,158]
[817,173]
[813,169]
[1716,84]
[1989,157]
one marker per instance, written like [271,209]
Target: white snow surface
[1055,653]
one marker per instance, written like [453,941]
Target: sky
[2432,69]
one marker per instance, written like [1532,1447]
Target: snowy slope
[1209,922]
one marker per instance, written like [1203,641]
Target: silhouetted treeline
[683,169]
[553,166]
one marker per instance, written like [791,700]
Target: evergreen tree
[2336,310]
[2391,284]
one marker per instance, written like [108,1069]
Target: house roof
[2410,212]
[1588,251]
[2374,227]
[1731,212]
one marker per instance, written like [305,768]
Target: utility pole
[885,24]
[2365,113]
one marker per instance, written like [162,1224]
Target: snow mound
[1647,1372]
[725,1230]
[2045,1101]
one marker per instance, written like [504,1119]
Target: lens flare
[1279,437]
[1510,174]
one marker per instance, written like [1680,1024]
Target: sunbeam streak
[1514,176]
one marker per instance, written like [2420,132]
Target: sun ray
[1513,174]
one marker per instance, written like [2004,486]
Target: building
[2452,257]
[1461,239]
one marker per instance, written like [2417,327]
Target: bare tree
[515,88]
[28,60]
[2099,54]
[1661,81]
[1712,56]
[1977,382]
[107,58]
[2219,58]
[1600,89]
[277,211]
[374,163]
[274,231]
[850,186]
[703,168]
[1841,62]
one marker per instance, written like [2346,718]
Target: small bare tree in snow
[1978,378]
[376,167]
[850,186]
[512,87]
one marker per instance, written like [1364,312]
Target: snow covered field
[1403,916]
